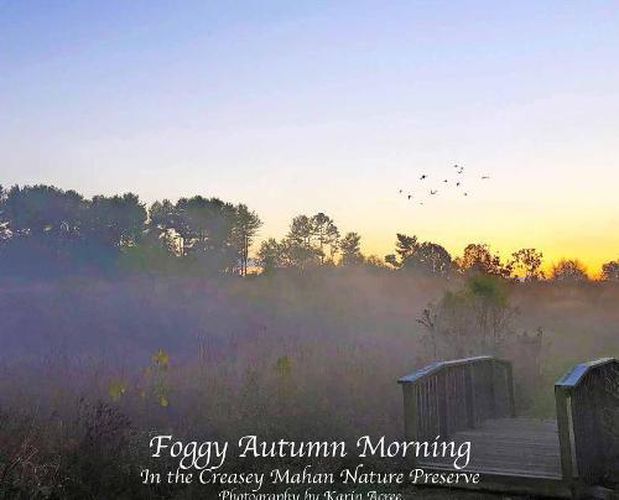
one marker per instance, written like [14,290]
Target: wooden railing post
[503,383]
[564,425]
[469,397]
[410,411]
[510,390]
[493,388]
[442,404]
[411,429]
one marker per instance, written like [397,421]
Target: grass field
[88,370]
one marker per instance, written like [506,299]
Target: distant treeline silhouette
[45,231]
[48,232]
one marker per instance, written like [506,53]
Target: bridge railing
[587,400]
[449,396]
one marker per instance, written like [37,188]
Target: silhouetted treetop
[610,271]
[426,257]
[350,246]
[569,271]
[45,230]
[527,262]
[477,258]
[115,221]
[42,210]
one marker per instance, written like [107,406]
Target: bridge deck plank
[514,447]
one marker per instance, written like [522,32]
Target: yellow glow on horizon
[555,227]
[591,256]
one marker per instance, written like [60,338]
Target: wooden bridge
[576,455]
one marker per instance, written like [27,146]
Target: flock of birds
[423,189]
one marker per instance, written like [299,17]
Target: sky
[301,107]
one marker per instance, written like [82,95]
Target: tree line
[46,231]
[314,241]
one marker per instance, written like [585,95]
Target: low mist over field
[177,311]
[334,341]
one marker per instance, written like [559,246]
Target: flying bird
[433,191]
[485,177]
[457,184]
[423,177]
[466,194]
[445,180]
[410,196]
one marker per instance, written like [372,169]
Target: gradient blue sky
[296,107]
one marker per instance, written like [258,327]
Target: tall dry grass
[313,356]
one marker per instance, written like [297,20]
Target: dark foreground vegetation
[119,322]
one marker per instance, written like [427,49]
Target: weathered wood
[564,417]
[472,400]
[519,447]
[453,395]
[587,401]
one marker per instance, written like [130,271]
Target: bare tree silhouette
[528,262]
